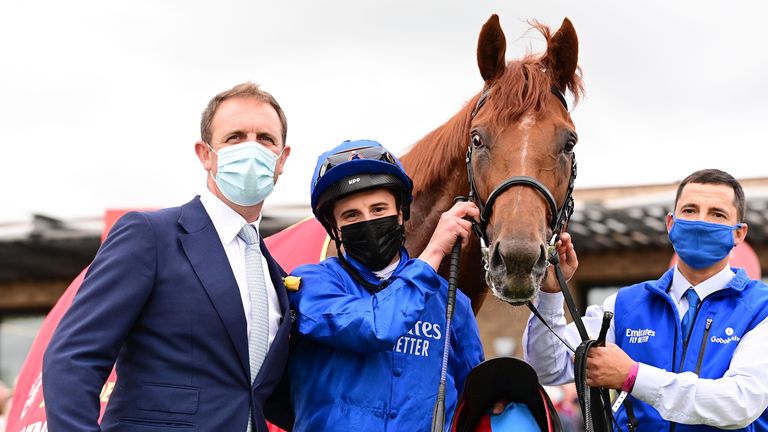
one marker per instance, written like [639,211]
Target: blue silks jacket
[648,329]
[371,362]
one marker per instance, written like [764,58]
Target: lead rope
[595,402]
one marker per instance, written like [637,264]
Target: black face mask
[374,242]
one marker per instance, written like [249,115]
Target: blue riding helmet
[355,166]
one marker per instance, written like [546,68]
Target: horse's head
[521,150]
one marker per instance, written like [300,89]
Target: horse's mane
[524,87]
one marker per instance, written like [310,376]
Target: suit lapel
[203,247]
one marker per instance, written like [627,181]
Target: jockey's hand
[568,264]
[451,226]
[608,366]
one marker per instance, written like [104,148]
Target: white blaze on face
[525,126]
[526,123]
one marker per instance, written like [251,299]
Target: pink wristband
[629,383]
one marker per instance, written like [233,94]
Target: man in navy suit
[170,298]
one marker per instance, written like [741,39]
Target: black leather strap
[554,259]
[520,181]
[632,423]
[595,402]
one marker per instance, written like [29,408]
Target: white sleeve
[731,402]
[552,360]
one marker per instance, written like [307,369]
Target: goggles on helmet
[372,153]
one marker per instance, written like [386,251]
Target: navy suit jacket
[160,302]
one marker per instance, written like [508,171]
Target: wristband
[629,383]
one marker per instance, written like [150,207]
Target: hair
[717,177]
[246,89]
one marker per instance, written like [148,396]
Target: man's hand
[451,226]
[608,366]
[568,264]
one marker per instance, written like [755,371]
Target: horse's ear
[563,55]
[491,48]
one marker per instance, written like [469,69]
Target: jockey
[370,323]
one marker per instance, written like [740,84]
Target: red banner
[299,244]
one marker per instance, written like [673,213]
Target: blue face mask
[701,244]
[245,172]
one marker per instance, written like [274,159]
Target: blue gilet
[647,326]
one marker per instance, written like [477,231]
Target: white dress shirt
[228,224]
[730,402]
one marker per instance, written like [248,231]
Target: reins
[595,403]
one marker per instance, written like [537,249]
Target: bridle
[559,217]
[595,402]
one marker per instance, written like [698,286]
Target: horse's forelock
[523,88]
[525,85]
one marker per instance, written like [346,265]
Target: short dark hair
[715,176]
[246,89]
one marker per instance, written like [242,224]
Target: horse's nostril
[542,261]
[497,261]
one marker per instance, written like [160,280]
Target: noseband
[559,217]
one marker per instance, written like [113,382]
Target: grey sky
[100,100]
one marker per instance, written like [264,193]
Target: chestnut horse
[518,127]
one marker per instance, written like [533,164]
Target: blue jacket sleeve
[86,342]
[331,314]
[465,340]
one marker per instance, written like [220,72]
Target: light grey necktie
[258,336]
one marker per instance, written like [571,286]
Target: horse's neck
[425,213]
[437,166]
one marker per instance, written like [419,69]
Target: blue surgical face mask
[701,244]
[246,172]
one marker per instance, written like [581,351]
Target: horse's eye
[570,144]
[476,140]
